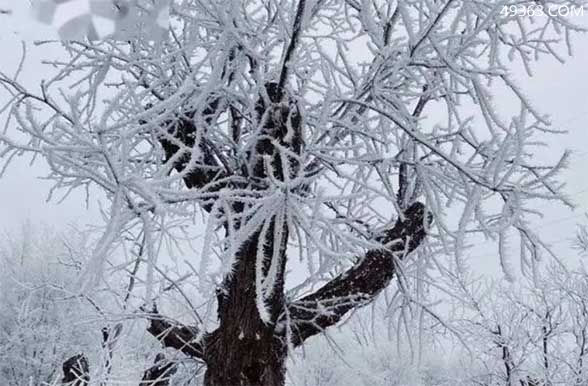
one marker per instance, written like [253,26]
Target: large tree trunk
[257,360]
[245,350]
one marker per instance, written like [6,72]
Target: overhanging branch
[361,283]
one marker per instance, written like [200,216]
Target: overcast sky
[556,89]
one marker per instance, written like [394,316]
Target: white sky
[556,89]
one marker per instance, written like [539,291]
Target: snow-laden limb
[160,373]
[358,285]
[183,338]
[186,149]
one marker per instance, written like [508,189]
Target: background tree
[50,334]
[41,319]
[332,130]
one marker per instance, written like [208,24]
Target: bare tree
[297,127]
[37,335]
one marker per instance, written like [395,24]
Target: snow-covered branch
[359,285]
[183,338]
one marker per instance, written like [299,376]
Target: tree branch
[291,46]
[76,371]
[185,133]
[183,338]
[361,283]
[160,373]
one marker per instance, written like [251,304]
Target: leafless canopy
[335,130]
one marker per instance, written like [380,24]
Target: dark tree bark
[76,371]
[245,350]
[361,283]
[182,338]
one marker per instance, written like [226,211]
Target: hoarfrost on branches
[323,128]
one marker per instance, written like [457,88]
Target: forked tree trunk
[246,350]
